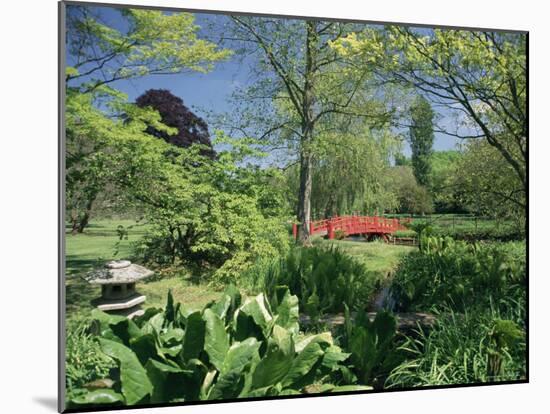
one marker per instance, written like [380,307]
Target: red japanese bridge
[369,227]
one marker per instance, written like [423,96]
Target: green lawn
[376,256]
[100,242]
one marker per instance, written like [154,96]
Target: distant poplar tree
[421,138]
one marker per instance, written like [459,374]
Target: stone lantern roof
[118,272]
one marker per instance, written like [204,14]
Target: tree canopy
[479,75]
[149,42]
[191,128]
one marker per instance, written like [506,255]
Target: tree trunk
[74,222]
[304,196]
[80,221]
[84,221]
[306,157]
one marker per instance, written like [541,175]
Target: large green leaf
[115,327]
[302,364]
[271,369]
[288,313]
[153,324]
[194,382]
[216,342]
[99,397]
[228,303]
[172,337]
[221,306]
[145,347]
[207,383]
[135,384]
[258,309]
[147,315]
[193,341]
[324,339]
[227,385]
[170,309]
[241,354]
[384,326]
[282,339]
[233,379]
[333,356]
[244,327]
[168,381]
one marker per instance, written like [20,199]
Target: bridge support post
[330,229]
[294,230]
[310,224]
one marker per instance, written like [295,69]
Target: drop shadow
[47,402]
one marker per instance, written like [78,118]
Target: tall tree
[421,138]
[142,42]
[481,75]
[191,128]
[304,81]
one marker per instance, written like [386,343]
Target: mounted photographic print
[259,207]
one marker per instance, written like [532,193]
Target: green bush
[214,217]
[474,347]
[323,278]
[459,274]
[372,345]
[84,361]
[229,349]
[339,234]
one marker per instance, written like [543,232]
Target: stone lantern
[118,287]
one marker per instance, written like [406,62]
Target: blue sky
[211,92]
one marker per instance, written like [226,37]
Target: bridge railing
[353,225]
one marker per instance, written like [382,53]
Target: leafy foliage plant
[233,348]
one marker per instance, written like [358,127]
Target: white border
[28,170]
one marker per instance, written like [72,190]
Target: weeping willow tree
[351,172]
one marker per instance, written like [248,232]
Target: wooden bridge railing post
[330,229]
[310,228]
[294,230]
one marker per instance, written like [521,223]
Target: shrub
[229,349]
[477,346]
[503,233]
[323,279]
[372,346]
[84,361]
[213,216]
[459,274]
[339,234]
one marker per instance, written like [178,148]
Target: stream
[383,300]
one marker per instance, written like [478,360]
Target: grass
[376,256]
[99,243]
